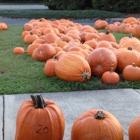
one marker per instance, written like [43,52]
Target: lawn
[59,14]
[22,74]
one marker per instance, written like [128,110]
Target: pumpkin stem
[99,115]
[111,70]
[38,101]
[130,35]
[107,32]
[31,33]
[133,64]
[85,75]
[129,48]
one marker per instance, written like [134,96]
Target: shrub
[68,4]
[124,6]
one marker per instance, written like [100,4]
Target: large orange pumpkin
[72,68]
[101,60]
[39,119]
[44,52]
[96,125]
[127,56]
[134,129]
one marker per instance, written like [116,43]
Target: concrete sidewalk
[29,6]
[122,103]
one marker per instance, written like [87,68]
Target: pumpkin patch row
[43,119]
[75,52]
[128,25]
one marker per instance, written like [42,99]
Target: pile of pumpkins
[75,52]
[43,119]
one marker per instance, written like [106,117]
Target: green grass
[59,14]
[22,74]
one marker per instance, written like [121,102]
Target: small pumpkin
[39,119]
[3,26]
[131,73]
[110,77]
[30,38]
[18,50]
[96,125]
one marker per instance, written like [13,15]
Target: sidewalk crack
[3,117]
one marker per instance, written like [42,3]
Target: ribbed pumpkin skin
[44,52]
[73,68]
[134,129]
[110,77]
[126,56]
[131,73]
[39,123]
[101,60]
[86,127]
[49,68]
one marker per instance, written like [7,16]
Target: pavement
[122,103]
[22,21]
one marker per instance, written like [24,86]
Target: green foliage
[21,1]
[130,6]
[59,14]
[124,6]
[65,4]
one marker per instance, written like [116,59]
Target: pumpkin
[134,129]
[44,52]
[24,33]
[39,119]
[107,36]
[27,27]
[96,125]
[90,36]
[110,77]
[3,26]
[106,44]
[122,27]
[131,73]
[101,60]
[29,38]
[129,20]
[18,50]
[73,68]
[49,68]
[31,48]
[100,24]
[50,38]
[127,56]
[92,43]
